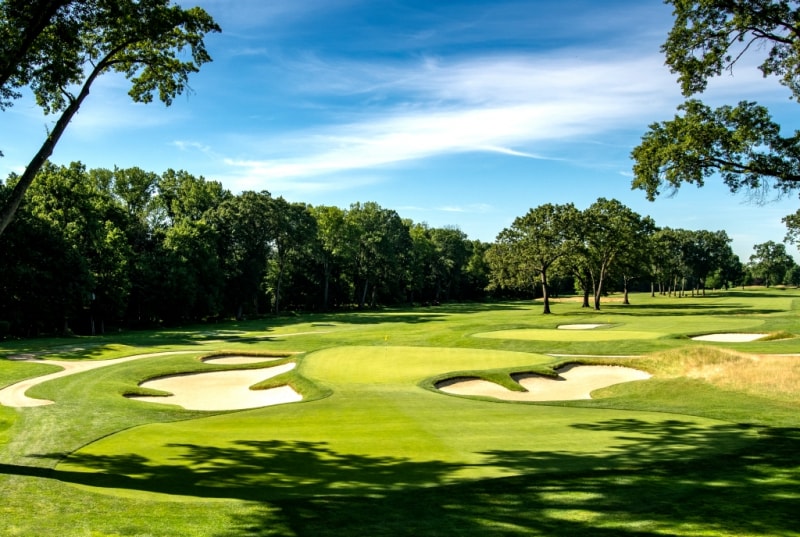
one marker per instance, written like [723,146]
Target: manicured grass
[375,450]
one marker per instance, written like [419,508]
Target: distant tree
[706,251]
[477,270]
[334,246]
[668,258]
[60,51]
[381,242]
[294,230]
[740,143]
[421,260]
[532,246]
[770,262]
[246,239]
[793,276]
[612,234]
[451,255]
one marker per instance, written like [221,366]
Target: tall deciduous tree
[611,233]
[335,246]
[293,231]
[382,243]
[740,143]
[60,57]
[533,245]
[770,262]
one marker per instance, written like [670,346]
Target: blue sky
[462,113]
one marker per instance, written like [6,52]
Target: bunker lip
[14,395]
[731,337]
[221,390]
[573,383]
[581,326]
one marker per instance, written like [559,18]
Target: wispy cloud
[479,208]
[511,105]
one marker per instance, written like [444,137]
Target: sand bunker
[238,360]
[574,382]
[729,338]
[580,326]
[14,395]
[222,390]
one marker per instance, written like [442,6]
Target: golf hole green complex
[380,429]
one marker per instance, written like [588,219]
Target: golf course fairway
[379,430]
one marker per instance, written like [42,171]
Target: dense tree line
[127,247]
[92,247]
[609,247]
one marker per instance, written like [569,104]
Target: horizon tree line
[90,249]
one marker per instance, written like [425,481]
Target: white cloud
[509,105]
[479,208]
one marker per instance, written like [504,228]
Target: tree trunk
[545,295]
[363,295]
[26,179]
[326,286]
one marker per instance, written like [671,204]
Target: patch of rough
[580,326]
[221,390]
[574,382]
[729,338]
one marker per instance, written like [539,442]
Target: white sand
[574,382]
[222,390]
[14,395]
[729,338]
[238,360]
[584,326]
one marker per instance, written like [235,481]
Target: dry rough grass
[772,376]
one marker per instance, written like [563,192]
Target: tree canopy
[58,49]
[741,143]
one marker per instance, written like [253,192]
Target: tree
[668,264]
[740,143]
[770,262]
[141,39]
[21,24]
[611,233]
[334,245]
[381,245]
[293,232]
[706,251]
[246,237]
[533,245]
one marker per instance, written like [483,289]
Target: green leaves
[741,143]
[711,36]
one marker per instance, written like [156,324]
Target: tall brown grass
[772,376]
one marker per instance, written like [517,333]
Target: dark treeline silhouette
[92,249]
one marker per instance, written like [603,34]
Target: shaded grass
[681,454]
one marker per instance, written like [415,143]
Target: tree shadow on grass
[670,477]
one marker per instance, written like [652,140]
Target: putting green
[544,334]
[378,431]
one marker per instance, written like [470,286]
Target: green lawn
[376,450]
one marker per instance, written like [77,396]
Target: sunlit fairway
[707,446]
[558,335]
